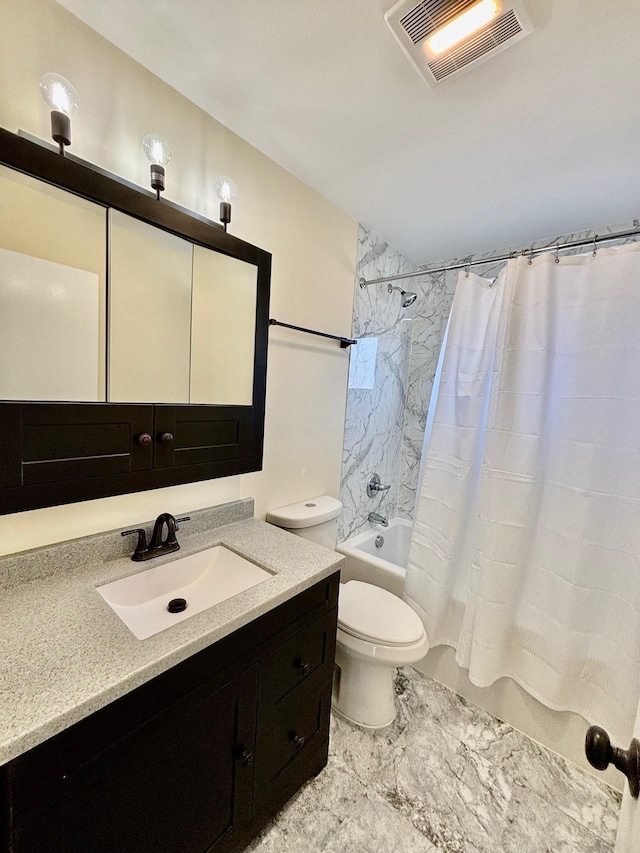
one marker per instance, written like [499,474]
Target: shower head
[408,297]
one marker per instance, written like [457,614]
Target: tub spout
[378,519]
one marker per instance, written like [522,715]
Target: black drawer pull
[298,742]
[303,666]
[246,758]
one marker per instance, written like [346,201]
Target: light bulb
[158,154]
[463,26]
[156,150]
[59,93]
[226,189]
[62,97]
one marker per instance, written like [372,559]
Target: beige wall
[313,245]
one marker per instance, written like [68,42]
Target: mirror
[52,293]
[181,317]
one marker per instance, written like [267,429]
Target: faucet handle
[374,486]
[141,546]
[180,520]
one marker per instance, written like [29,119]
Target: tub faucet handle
[374,486]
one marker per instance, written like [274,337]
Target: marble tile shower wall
[384,430]
[375,408]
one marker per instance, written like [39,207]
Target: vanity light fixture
[158,154]
[62,97]
[225,190]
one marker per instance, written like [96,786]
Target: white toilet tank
[315,519]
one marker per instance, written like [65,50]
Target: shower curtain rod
[574,244]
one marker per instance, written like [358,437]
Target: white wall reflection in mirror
[222,329]
[149,313]
[49,330]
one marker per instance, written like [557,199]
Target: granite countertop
[65,653]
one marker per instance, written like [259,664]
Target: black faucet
[158,546]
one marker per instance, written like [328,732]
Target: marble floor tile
[445,777]
[456,798]
[376,826]
[533,824]
[576,793]
[366,752]
[313,814]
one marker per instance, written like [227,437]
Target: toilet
[377,631]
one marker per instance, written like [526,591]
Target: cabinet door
[180,782]
[70,452]
[203,436]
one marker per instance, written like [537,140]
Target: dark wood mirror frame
[58,453]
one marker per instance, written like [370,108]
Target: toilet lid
[376,615]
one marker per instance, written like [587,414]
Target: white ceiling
[542,139]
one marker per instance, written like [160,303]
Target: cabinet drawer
[294,737]
[307,658]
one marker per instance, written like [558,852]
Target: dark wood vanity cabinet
[196,760]
[56,453]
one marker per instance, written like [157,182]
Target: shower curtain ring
[557,250]
[466,271]
[595,245]
[530,256]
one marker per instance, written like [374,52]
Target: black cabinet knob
[600,754]
[303,666]
[246,758]
[298,742]
[144,439]
[166,437]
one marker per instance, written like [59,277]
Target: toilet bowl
[377,631]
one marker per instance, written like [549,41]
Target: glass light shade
[463,26]
[156,149]
[59,93]
[226,190]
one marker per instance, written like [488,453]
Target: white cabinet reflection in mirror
[49,330]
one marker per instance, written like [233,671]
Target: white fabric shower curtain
[526,548]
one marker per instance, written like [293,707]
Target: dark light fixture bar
[345,343]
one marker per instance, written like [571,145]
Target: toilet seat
[374,615]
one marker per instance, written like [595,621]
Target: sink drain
[177,605]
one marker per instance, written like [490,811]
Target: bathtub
[383,566]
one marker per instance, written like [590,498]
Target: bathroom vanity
[197,757]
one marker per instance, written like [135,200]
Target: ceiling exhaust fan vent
[503,28]
[430,15]
[412,25]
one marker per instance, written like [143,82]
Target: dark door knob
[600,754]
[144,439]
[298,741]
[166,437]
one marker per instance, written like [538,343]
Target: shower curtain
[526,548]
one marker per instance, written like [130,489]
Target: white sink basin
[202,579]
